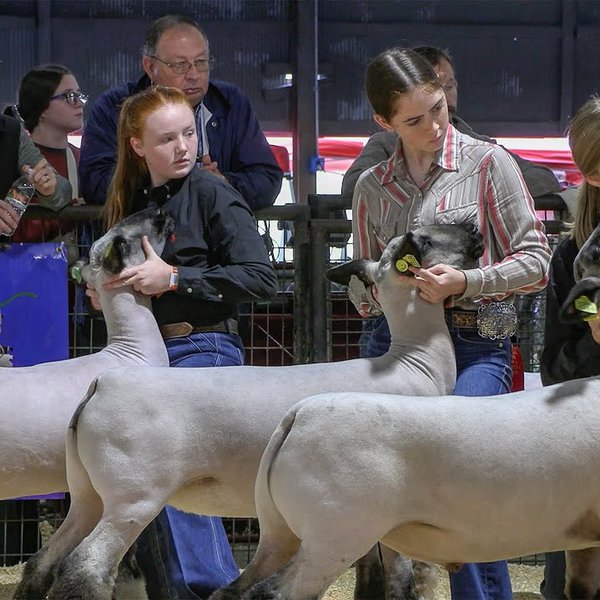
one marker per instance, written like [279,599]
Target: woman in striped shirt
[438,175]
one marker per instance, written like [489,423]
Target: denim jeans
[483,369]
[185,556]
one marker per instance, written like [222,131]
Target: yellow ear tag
[411,260]
[584,304]
[401,265]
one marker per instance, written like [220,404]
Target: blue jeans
[483,369]
[185,556]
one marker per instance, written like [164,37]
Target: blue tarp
[33,306]
[33,303]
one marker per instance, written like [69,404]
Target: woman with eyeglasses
[21,156]
[50,105]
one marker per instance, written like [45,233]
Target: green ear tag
[584,304]
[411,260]
[401,265]
[76,273]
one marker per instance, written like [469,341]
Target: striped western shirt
[469,181]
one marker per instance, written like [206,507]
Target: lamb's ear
[341,273]
[113,257]
[583,301]
[406,253]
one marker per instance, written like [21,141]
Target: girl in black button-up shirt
[214,260]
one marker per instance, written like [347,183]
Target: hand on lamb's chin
[93,295]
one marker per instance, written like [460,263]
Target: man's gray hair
[158,27]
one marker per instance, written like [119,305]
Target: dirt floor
[525,581]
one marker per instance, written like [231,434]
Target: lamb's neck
[415,323]
[131,326]
[420,336]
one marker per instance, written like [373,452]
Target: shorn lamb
[423,475]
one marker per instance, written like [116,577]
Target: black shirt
[570,351]
[222,260]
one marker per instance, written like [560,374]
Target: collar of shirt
[448,158]
[203,117]
[159,195]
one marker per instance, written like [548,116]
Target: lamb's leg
[383,573]
[271,555]
[426,578]
[306,577]
[582,573]
[39,571]
[400,579]
[370,578]
[89,572]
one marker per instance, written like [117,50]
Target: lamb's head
[457,245]
[584,299]
[121,246]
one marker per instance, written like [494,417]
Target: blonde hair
[131,172]
[584,140]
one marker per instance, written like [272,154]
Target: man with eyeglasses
[183,555]
[539,179]
[230,141]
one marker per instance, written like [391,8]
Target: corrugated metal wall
[523,65]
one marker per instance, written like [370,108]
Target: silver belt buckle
[497,320]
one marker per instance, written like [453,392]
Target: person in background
[230,142]
[572,352]
[20,156]
[51,105]
[215,260]
[539,179]
[439,175]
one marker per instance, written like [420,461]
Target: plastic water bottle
[19,195]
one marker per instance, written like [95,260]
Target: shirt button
[220,296]
[213,123]
[189,290]
[168,196]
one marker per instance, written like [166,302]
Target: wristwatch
[174,279]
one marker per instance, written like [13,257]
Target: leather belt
[172,330]
[461,318]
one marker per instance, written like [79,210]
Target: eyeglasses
[72,97]
[450,85]
[202,65]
